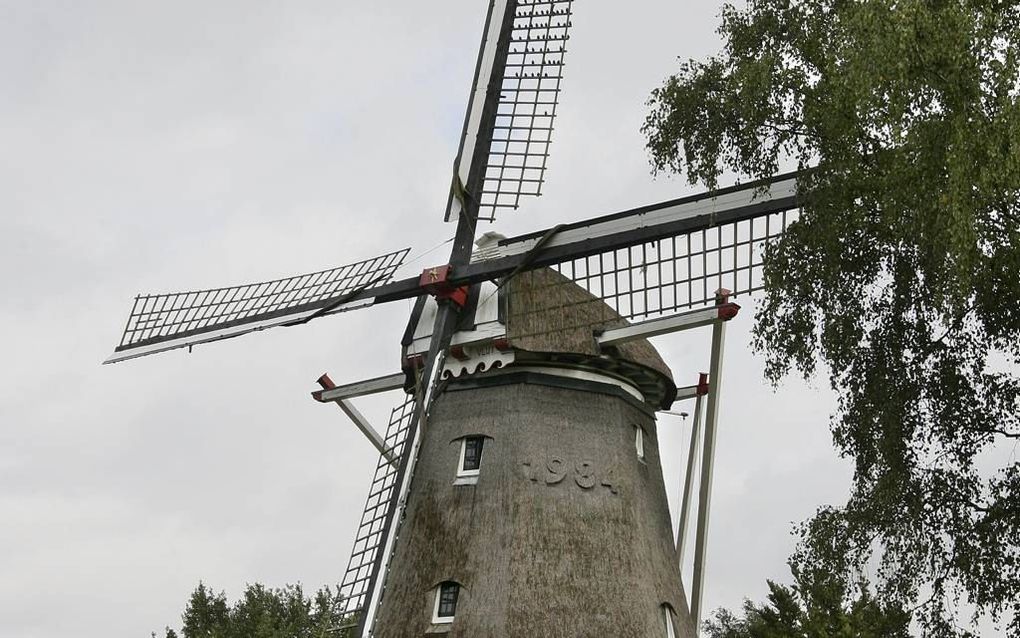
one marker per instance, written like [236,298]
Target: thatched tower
[537,506]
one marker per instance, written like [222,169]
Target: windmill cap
[490,238]
[549,313]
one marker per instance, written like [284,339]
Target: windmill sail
[512,107]
[680,272]
[371,536]
[662,258]
[163,322]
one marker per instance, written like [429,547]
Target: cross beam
[340,396]
[544,248]
[672,323]
[611,232]
[360,388]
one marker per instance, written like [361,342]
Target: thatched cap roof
[548,313]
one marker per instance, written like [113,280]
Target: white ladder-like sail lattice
[517,140]
[372,531]
[670,275]
[527,106]
[162,322]
[680,272]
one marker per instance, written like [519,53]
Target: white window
[667,617]
[446,602]
[639,441]
[470,456]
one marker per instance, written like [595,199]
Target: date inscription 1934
[557,469]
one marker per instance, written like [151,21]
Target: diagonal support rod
[359,419]
[707,464]
[692,467]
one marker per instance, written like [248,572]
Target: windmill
[518,482]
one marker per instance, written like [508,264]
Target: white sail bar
[363,424]
[725,204]
[707,466]
[476,104]
[665,325]
[686,499]
[688,392]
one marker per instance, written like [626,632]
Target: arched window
[668,620]
[446,602]
[470,455]
[639,442]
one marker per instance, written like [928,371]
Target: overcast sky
[160,146]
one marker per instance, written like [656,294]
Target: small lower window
[470,455]
[639,441]
[667,618]
[446,602]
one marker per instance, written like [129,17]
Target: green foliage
[901,277]
[264,613]
[812,608]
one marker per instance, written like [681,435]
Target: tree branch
[957,324]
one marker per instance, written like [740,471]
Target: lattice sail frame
[529,95]
[522,56]
[402,437]
[182,318]
[371,534]
[676,273]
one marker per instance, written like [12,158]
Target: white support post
[692,467]
[708,458]
[366,428]
[336,395]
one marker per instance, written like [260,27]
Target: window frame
[443,620]
[639,442]
[461,472]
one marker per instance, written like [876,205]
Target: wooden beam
[672,323]
[366,428]
[360,388]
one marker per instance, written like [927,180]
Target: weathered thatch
[565,531]
[547,312]
[579,551]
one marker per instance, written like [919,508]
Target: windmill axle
[436,281]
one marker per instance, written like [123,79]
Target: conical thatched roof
[548,313]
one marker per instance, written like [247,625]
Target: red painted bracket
[727,311]
[702,384]
[413,362]
[326,383]
[436,282]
